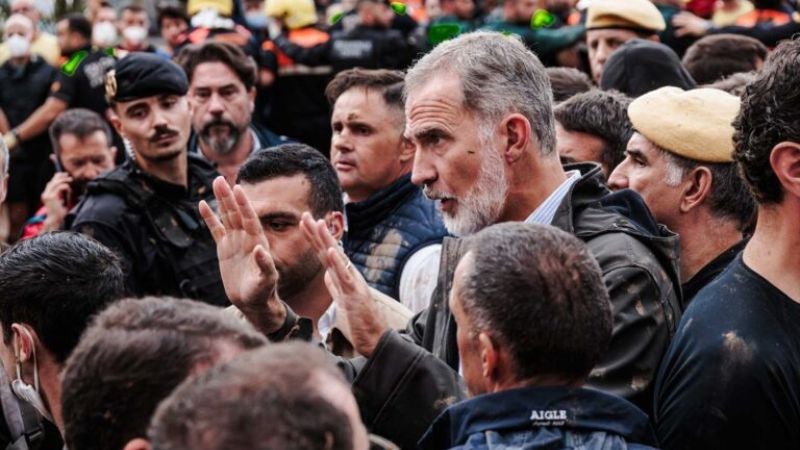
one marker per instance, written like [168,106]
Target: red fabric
[702,8]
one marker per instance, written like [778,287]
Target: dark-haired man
[52,285]
[222,80]
[393,231]
[281,184]
[593,127]
[729,378]
[132,356]
[526,370]
[287,396]
[680,160]
[145,210]
[82,151]
[715,57]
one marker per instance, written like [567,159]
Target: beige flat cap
[629,14]
[695,124]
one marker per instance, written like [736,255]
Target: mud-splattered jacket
[539,418]
[385,230]
[412,376]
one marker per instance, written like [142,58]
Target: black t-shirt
[22,91]
[731,377]
[711,271]
[84,87]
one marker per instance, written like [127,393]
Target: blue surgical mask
[256,20]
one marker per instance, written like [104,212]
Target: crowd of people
[373,224]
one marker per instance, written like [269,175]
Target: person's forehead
[134,15]
[279,194]
[20,6]
[18,26]
[610,33]
[153,100]
[70,141]
[361,103]
[640,143]
[437,103]
[214,73]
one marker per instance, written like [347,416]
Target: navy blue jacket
[384,231]
[542,418]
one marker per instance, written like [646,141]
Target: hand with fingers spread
[347,287]
[248,271]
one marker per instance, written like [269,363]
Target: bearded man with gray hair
[479,114]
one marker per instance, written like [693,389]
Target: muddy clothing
[155,227]
[730,377]
[710,272]
[385,230]
[413,376]
[540,418]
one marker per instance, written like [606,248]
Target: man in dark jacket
[146,209]
[526,370]
[479,112]
[222,81]
[393,231]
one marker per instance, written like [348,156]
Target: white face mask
[135,35]
[26,392]
[18,46]
[104,34]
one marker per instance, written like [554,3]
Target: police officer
[146,209]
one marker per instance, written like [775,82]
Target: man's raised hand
[245,263]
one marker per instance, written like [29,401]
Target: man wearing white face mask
[25,81]
[52,285]
[134,26]
[104,28]
[43,44]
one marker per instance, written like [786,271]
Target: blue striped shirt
[547,210]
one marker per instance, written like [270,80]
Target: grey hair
[498,75]
[6,159]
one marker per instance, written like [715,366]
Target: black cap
[140,75]
[640,66]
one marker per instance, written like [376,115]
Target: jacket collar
[525,409]
[366,214]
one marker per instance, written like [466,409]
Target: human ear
[137,444]
[516,131]
[696,189]
[785,162]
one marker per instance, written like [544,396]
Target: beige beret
[695,124]
[633,14]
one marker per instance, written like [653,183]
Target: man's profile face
[85,159]
[645,170]
[171,29]
[157,127]
[367,142]
[601,44]
[223,107]
[64,36]
[576,146]
[279,203]
[457,158]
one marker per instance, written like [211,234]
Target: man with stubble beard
[146,210]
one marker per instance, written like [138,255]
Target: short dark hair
[172,11]
[603,114]
[729,197]
[79,122]
[717,56]
[389,83]
[297,159]
[734,84]
[769,115]
[56,282]
[132,356]
[78,23]
[222,52]
[539,292]
[567,82]
[265,399]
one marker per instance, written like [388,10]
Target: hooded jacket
[413,376]
[533,418]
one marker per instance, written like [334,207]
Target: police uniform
[154,225]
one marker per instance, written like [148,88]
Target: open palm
[245,263]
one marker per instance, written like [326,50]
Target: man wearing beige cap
[611,23]
[680,160]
